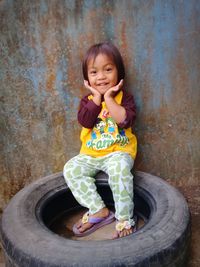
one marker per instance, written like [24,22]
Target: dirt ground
[192,195]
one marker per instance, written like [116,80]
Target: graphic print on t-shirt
[106,132]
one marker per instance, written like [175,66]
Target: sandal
[97,223]
[120,226]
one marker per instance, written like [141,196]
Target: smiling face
[102,73]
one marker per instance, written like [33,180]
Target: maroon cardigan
[89,111]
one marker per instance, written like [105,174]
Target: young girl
[108,144]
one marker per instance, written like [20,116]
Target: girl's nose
[101,75]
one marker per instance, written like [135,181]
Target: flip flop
[97,223]
[120,226]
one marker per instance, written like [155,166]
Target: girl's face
[102,73]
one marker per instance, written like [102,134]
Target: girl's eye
[93,72]
[109,69]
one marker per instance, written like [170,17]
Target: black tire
[162,241]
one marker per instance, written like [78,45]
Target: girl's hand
[114,89]
[96,94]
[93,90]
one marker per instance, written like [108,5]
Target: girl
[105,147]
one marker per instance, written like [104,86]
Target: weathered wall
[42,43]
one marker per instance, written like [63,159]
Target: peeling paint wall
[41,47]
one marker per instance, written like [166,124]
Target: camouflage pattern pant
[79,175]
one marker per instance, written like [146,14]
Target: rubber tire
[163,241]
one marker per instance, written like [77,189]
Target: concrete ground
[192,194]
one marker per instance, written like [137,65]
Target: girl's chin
[102,91]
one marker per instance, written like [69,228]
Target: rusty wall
[42,43]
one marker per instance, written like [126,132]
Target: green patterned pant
[79,174]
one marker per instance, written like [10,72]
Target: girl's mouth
[102,84]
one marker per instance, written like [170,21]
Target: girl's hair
[109,50]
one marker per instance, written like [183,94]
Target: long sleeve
[129,104]
[88,112]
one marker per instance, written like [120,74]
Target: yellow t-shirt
[106,136]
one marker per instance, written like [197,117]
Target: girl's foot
[82,227]
[123,228]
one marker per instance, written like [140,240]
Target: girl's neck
[102,97]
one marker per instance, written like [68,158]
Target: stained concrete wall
[42,44]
